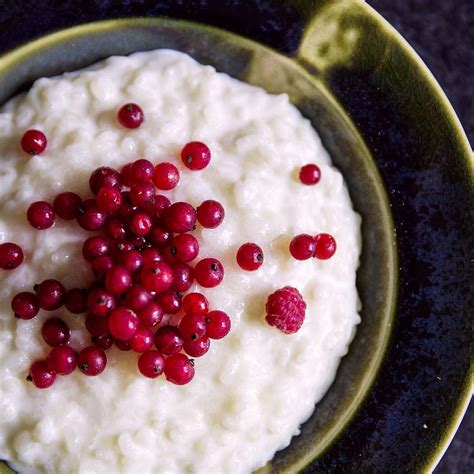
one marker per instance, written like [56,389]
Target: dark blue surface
[429,356]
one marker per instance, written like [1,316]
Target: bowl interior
[248,61]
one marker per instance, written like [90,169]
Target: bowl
[408,166]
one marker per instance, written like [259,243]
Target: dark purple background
[441,32]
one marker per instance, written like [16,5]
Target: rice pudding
[254,388]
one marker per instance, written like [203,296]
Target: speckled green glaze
[342,39]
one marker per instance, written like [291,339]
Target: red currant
[50,294]
[198,347]
[183,277]
[209,272]
[142,340]
[25,305]
[62,360]
[116,229]
[94,247]
[151,255]
[302,247]
[192,326]
[170,301]
[11,256]
[76,300]
[91,217]
[159,236]
[127,205]
[100,302]
[117,280]
[310,174]
[186,247]
[137,297]
[55,332]
[195,303]
[218,324]
[143,194]
[250,257]
[92,361]
[96,325]
[179,369]
[151,364]
[123,324]
[41,375]
[105,176]
[210,214]
[157,277]
[166,176]
[101,265]
[33,142]
[40,215]
[132,260]
[140,223]
[161,203]
[195,155]
[180,217]
[130,115]
[151,315]
[168,340]
[325,246]
[109,199]
[141,170]
[67,205]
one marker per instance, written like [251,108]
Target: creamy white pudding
[254,388]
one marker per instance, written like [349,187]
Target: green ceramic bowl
[385,122]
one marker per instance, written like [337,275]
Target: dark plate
[344,63]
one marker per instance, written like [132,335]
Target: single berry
[142,340]
[137,297]
[325,246]
[140,170]
[122,345]
[161,203]
[151,255]
[33,142]
[303,247]
[130,115]
[116,229]
[198,347]
[62,360]
[210,214]
[159,236]
[41,375]
[123,324]
[310,174]
[117,280]
[186,247]
[151,364]
[179,369]
[96,325]
[209,272]
[100,302]
[105,176]
[157,277]
[180,217]
[104,342]
[151,315]
[127,205]
[40,215]
[218,324]
[67,205]
[143,194]
[183,277]
[94,247]
[168,340]
[55,332]
[166,176]
[132,260]
[50,294]
[91,218]
[195,155]
[192,326]
[250,257]
[195,303]
[25,305]
[109,199]
[140,223]
[170,301]
[76,300]
[101,265]
[92,361]
[286,310]
[11,256]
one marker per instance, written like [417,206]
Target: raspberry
[286,310]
